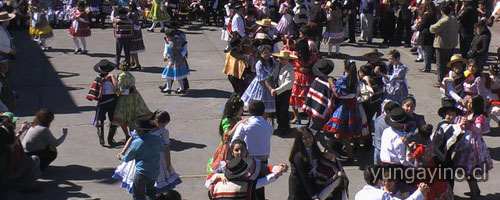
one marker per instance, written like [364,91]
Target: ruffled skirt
[477,156]
[258,91]
[346,120]
[300,88]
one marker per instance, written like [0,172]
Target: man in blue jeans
[145,150]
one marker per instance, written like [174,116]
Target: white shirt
[238,25]
[256,133]
[285,79]
[369,192]
[392,148]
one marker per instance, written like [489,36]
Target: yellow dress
[39,28]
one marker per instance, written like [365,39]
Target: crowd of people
[369,106]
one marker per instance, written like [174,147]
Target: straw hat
[454,59]
[373,51]
[5,16]
[285,54]
[266,22]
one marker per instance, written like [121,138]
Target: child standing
[157,14]
[396,88]
[345,121]
[80,27]
[475,124]
[261,86]
[177,68]
[40,29]
[136,44]
[283,89]
[334,32]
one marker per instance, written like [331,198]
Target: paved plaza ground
[59,80]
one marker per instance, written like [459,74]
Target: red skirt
[83,30]
[300,88]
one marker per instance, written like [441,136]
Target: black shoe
[179,91]
[100,134]
[77,51]
[162,87]
[414,49]
[352,41]
[85,51]
[470,194]
[419,60]
[167,91]
[162,30]
[111,134]
[151,30]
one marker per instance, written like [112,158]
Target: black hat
[447,105]
[238,167]
[171,32]
[323,67]
[104,66]
[237,5]
[235,42]
[397,118]
[143,124]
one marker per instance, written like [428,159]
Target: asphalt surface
[59,80]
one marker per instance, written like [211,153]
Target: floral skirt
[129,107]
[477,155]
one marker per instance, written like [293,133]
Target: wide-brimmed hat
[454,59]
[447,105]
[11,115]
[5,16]
[235,42]
[285,54]
[143,124]
[104,66]
[266,22]
[323,67]
[373,51]
[397,118]
[238,167]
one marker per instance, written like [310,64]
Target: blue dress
[346,119]
[396,88]
[177,67]
[257,89]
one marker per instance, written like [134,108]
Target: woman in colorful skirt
[231,118]
[40,29]
[476,157]
[137,44]
[396,88]
[261,86]
[303,77]
[168,178]
[285,25]
[345,121]
[130,104]
[158,13]
[80,27]
[177,68]
[334,34]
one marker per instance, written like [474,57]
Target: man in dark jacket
[428,19]
[480,44]
[317,20]
[467,17]
[403,21]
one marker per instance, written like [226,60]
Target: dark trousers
[122,43]
[106,108]
[316,31]
[387,28]
[238,85]
[403,26]
[282,105]
[46,156]
[427,57]
[442,58]
[465,43]
[352,27]
[143,188]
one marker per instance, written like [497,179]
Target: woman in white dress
[167,179]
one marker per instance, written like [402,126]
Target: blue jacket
[146,151]
[368,7]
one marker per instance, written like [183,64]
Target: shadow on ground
[495,196]
[207,93]
[63,180]
[177,145]
[34,78]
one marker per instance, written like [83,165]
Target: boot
[100,134]
[111,134]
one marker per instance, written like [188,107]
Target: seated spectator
[40,141]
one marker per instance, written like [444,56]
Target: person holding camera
[40,141]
